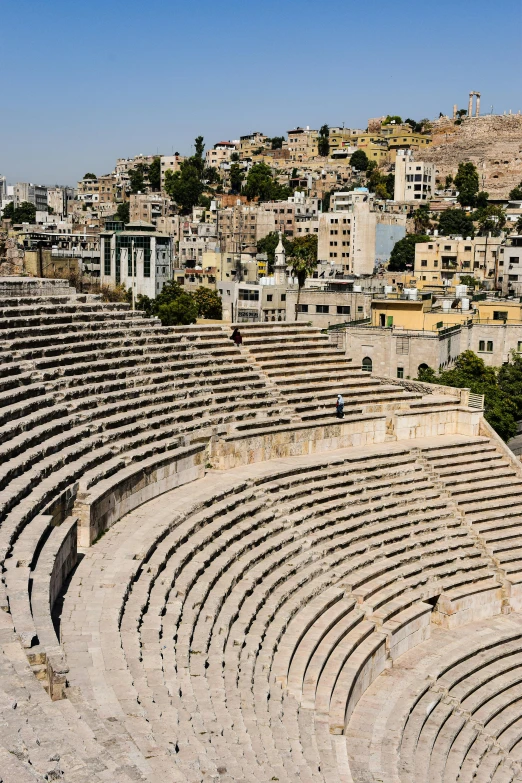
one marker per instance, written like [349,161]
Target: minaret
[280,263]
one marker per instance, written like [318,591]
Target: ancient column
[470,104]
[477,107]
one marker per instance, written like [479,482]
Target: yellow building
[446,260]
[498,310]
[417,314]
[342,137]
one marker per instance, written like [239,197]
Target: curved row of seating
[245,636]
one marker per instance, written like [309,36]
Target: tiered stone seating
[268,606]
[238,625]
[310,371]
[487,488]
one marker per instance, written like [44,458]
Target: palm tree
[422,219]
[302,263]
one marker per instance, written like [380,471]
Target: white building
[414,179]
[138,257]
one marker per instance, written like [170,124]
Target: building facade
[414,179]
[139,258]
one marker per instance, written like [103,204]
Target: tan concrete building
[343,137]
[414,179]
[302,144]
[148,207]
[220,153]
[444,260]
[510,266]
[355,235]
[240,227]
[251,143]
[169,163]
[326,306]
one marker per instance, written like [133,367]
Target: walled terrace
[206,576]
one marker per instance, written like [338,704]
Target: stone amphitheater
[207,576]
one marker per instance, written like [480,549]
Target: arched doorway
[367,364]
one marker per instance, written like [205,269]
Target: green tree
[462,113]
[197,160]
[123,212]
[180,311]
[518,226]
[234,158]
[276,142]
[24,213]
[208,302]
[469,280]
[481,201]
[303,261]
[90,175]
[381,192]
[155,173]
[323,144]
[510,381]
[236,178]
[516,193]
[359,160]
[427,375]
[184,186]
[449,180]
[456,222]
[260,184]
[467,183]
[491,220]
[403,253]
[137,177]
[470,372]
[422,218]
[392,118]
[268,245]
[211,175]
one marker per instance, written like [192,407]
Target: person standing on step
[237,337]
[339,407]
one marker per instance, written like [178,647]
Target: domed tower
[280,277]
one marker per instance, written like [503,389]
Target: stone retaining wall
[100,507]
[56,561]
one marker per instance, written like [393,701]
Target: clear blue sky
[85,83]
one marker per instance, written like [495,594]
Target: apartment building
[148,207]
[58,199]
[355,236]
[34,194]
[414,179]
[220,153]
[138,257]
[241,226]
[249,144]
[510,266]
[169,163]
[442,260]
[199,239]
[302,144]
[340,138]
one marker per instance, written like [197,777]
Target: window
[467,248]
[447,247]
[343,310]
[489,347]
[367,364]
[435,264]
[519,345]
[402,346]
[248,296]
[303,308]
[424,262]
[400,372]
[107,256]
[359,308]
[322,308]
[269,297]
[500,315]
[482,345]
[283,297]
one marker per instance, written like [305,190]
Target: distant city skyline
[92,83]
